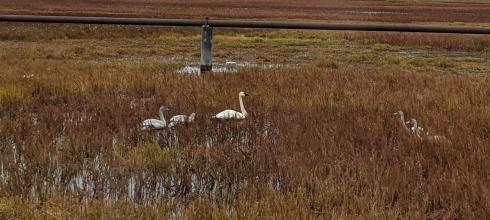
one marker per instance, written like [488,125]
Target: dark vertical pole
[206,48]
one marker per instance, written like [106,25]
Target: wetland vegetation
[320,140]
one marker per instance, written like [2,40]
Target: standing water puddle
[233,67]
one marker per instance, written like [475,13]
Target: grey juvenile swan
[181,119]
[420,134]
[153,124]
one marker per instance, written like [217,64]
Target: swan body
[437,138]
[415,129]
[420,134]
[232,114]
[181,119]
[154,124]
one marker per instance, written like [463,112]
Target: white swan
[402,120]
[153,124]
[232,114]
[414,128]
[419,132]
[437,138]
[181,119]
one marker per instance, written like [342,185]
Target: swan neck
[242,108]
[402,119]
[162,117]
[417,130]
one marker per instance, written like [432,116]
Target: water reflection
[233,67]
[85,175]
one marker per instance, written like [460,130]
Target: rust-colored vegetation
[321,140]
[443,41]
[330,10]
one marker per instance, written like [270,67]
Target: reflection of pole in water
[210,139]
[132,187]
[114,141]
[3,175]
[195,184]
[159,186]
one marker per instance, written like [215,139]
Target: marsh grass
[444,41]
[320,142]
[329,152]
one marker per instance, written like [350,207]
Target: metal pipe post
[206,48]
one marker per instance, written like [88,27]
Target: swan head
[164,108]
[242,94]
[192,117]
[412,122]
[400,113]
